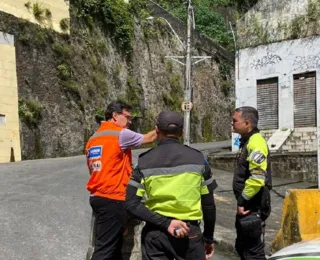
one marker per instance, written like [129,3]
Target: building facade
[277,72]
[48,13]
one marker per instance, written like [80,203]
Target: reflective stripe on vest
[173,170]
[106,132]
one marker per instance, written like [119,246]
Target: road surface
[44,209]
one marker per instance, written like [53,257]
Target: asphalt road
[44,209]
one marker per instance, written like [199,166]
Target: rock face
[66,80]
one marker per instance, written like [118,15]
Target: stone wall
[66,80]
[277,20]
[301,140]
[45,12]
[295,166]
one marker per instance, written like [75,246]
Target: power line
[172,8]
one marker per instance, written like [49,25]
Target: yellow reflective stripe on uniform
[141,192]
[254,176]
[257,157]
[252,187]
[258,172]
[257,152]
[194,168]
[175,195]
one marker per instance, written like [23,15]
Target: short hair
[117,107]
[249,113]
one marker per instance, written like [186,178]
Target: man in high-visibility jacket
[251,185]
[177,184]
[110,165]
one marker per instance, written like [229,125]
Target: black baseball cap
[170,121]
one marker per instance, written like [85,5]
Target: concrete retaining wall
[296,166]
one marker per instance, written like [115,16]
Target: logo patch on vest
[94,155]
[94,152]
[257,157]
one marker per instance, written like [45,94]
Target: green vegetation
[65,24]
[64,72]
[40,13]
[114,17]
[209,16]
[71,87]
[99,115]
[174,97]
[134,96]
[303,25]
[99,79]
[207,132]
[30,112]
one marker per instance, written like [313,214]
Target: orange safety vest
[110,167]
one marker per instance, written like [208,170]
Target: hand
[181,228]
[241,211]
[209,250]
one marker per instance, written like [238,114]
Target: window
[304,91]
[268,103]
[2,119]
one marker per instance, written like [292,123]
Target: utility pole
[189,62]
[188,86]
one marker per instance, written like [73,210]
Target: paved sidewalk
[226,208]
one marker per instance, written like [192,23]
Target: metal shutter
[268,103]
[304,87]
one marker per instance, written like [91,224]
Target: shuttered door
[268,103]
[304,86]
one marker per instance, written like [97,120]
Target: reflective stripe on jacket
[253,168]
[109,166]
[173,180]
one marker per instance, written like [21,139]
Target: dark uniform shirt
[252,170]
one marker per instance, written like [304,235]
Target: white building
[281,79]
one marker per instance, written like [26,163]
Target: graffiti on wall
[269,59]
[306,62]
[284,86]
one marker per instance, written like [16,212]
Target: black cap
[170,121]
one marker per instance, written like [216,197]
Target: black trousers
[249,246]
[110,219]
[160,245]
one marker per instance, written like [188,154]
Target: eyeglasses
[127,117]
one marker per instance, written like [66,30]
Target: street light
[188,64]
[151,18]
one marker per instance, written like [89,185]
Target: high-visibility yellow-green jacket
[252,170]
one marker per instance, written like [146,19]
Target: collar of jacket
[246,137]
[169,140]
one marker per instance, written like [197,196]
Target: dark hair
[117,107]
[249,113]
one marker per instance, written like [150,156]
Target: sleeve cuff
[208,240]
[241,201]
[166,223]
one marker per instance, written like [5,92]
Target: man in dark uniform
[251,185]
[177,184]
